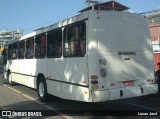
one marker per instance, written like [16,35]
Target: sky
[33,14]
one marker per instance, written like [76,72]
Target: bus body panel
[79,67]
[128,92]
[64,71]
[55,88]
[126,68]
[74,92]
[128,42]
[121,42]
[26,72]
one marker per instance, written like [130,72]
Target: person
[157,75]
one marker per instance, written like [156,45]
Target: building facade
[7,36]
[154,24]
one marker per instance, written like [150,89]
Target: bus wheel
[42,90]
[9,77]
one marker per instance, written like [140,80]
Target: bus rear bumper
[122,93]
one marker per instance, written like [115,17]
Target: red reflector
[94,82]
[128,83]
[113,84]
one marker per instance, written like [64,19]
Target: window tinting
[40,46]
[54,44]
[15,51]
[75,40]
[29,48]
[21,51]
[9,52]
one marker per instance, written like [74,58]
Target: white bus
[95,56]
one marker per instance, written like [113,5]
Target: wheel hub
[41,89]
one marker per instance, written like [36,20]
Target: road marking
[46,106]
[14,90]
[148,108]
[34,100]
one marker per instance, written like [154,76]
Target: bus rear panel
[120,56]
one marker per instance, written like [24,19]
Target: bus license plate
[128,83]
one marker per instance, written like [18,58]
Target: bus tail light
[94,77]
[113,84]
[94,82]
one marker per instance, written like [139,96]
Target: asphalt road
[18,97]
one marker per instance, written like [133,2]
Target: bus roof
[57,25]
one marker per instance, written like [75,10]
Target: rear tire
[42,89]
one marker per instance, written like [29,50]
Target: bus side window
[54,44]
[75,40]
[80,38]
[31,53]
[29,48]
[21,50]
[82,35]
[15,50]
[4,54]
[43,46]
[69,41]
[9,52]
[40,46]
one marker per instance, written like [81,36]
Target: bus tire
[42,89]
[9,77]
